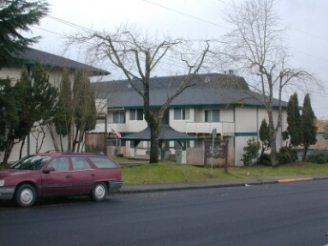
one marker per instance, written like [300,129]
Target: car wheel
[99,192]
[25,196]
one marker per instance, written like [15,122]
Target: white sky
[194,19]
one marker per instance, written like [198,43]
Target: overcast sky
[194,19]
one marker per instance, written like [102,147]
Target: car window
[103,162]
[79,163]
[34,162]
[60,164]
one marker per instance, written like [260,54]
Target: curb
[130,189]
[192,187]
[294,180]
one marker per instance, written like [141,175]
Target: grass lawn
[169,172]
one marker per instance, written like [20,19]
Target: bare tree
[138,56]
[256,44]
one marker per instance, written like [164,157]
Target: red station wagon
[60,174]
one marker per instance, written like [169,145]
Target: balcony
[100,127]
[222,128]
[130,126]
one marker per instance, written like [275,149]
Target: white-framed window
[136,114]
[181,113]
[212,115]
[119,117]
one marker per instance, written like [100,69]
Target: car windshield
[30,162]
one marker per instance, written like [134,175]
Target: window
[60,164]
[212,115]
[79,163]
[181,114]
[31,162]
[103,162]
[136,114]
[119,117]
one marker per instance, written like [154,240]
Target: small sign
[214,133]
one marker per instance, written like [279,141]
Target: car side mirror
[48,170]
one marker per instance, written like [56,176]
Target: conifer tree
[84,109]
[294,121]
[36,98]
[264,135]
[309,129]
[17,16]
[64,114]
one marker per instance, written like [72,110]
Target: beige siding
[246,119]
[226,115]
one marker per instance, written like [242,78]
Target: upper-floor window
[212,115]
[119,117]
[181,113]
[136,114]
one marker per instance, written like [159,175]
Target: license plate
[2,182]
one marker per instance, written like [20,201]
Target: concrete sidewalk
[216,184]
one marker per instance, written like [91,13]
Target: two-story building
[215,101]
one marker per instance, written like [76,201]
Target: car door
[60,181]
[84,175]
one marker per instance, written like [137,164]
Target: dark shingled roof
[30,55]
[208,90]
[167,133]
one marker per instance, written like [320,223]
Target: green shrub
[265,159]
[250,151]
[287,155]
[318,156]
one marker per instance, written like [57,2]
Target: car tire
[99,192]
[25,196]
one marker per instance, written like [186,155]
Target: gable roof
[210,89]
[30,55]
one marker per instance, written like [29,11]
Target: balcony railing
[223,128]
[100,127]
[134,126]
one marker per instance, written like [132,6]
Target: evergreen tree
[9,107]
[264,135]
[17,16]
[84,109]
[36,98]
[294,121]
[309,129]
[64,114]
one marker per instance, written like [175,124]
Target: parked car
[60,174]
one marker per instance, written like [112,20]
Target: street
[277,214]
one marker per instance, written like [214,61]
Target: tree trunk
[154,132]
[75,139]
[21,148]
[54,142]
[273,136]
[9,147]
[304,152]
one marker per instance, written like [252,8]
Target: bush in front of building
[287,155]
[251,151]
[318,156]
[265,160]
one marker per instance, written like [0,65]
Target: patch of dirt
[207,175]
[295,164]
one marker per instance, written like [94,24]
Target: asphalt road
[277,214]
